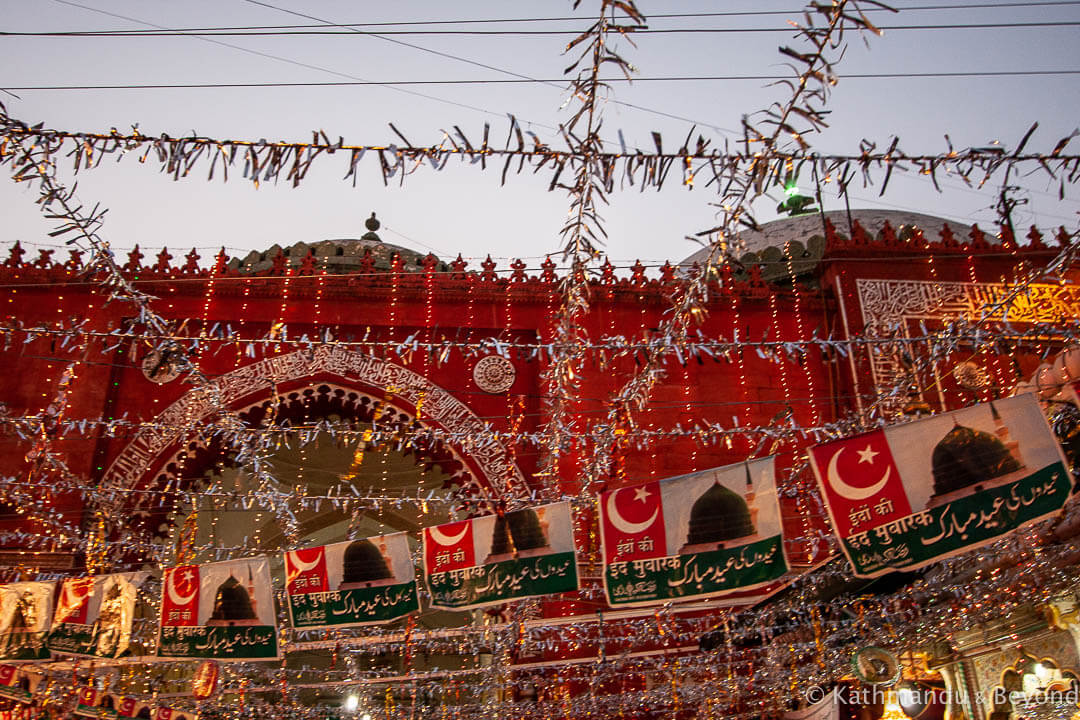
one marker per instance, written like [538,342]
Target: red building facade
[825,322]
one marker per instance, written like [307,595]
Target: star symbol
[187,577]
[867,455]
[641,494]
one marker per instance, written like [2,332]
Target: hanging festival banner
[94,614]
[698,535]
[99,704]
[492,559]
[222,610]
[25,614]
[351,583]
[905,496]
[19,683]
[168,713]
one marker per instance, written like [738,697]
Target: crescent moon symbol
[853,493]
[176,598]
[445,540]
[621,524]
[300,565]
[70,600]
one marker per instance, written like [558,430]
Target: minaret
[750,496]
[251,590]
[1002,432]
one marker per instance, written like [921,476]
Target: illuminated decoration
[795,203]
[271,350]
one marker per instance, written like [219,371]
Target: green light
[791,189]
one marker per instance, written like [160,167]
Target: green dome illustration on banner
[232,604]
[363,565]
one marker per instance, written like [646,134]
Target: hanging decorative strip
[911,494]
[492,559]
[351,583]
[692,536]
[26,610]
[94,615]
[220,610]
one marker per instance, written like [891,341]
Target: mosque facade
[369,335]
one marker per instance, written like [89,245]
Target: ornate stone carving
[888,305]
[441,409]
[494,374]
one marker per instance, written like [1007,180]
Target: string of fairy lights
[765,654]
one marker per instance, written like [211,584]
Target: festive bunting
[908,495]
[168,713]
[25,615]
[98,704]
[221,610]
[698,535]
[93,615]
[351,583]
[16,683]
[492,559]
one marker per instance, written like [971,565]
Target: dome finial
[372,224]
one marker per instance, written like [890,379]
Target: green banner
[917,539]
[353,607]
[506,580]
[74,639]
[683,576]
[24,646]
[222,643]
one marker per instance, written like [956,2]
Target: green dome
[232,602]
[364,563]
[965,457]
[521,526]
[719,514]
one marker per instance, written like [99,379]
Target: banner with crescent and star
[168,713]
[904,496]
[351,583]
[94,614]
[222,610]
[704,534]
[26,610]
[93,703]
[19,682]
[492,559]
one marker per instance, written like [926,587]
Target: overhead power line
[352,30]
[705,78]
[657,16]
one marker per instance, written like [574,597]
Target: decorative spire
[372,224]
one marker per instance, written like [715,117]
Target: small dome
[232,602]
[363,563]
[719,514]
[966,456]
[524,529]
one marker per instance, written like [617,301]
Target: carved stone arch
[171,433]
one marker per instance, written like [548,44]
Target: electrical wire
[398,83]
[638,30]
[657,16]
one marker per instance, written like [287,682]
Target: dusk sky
[464,209]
